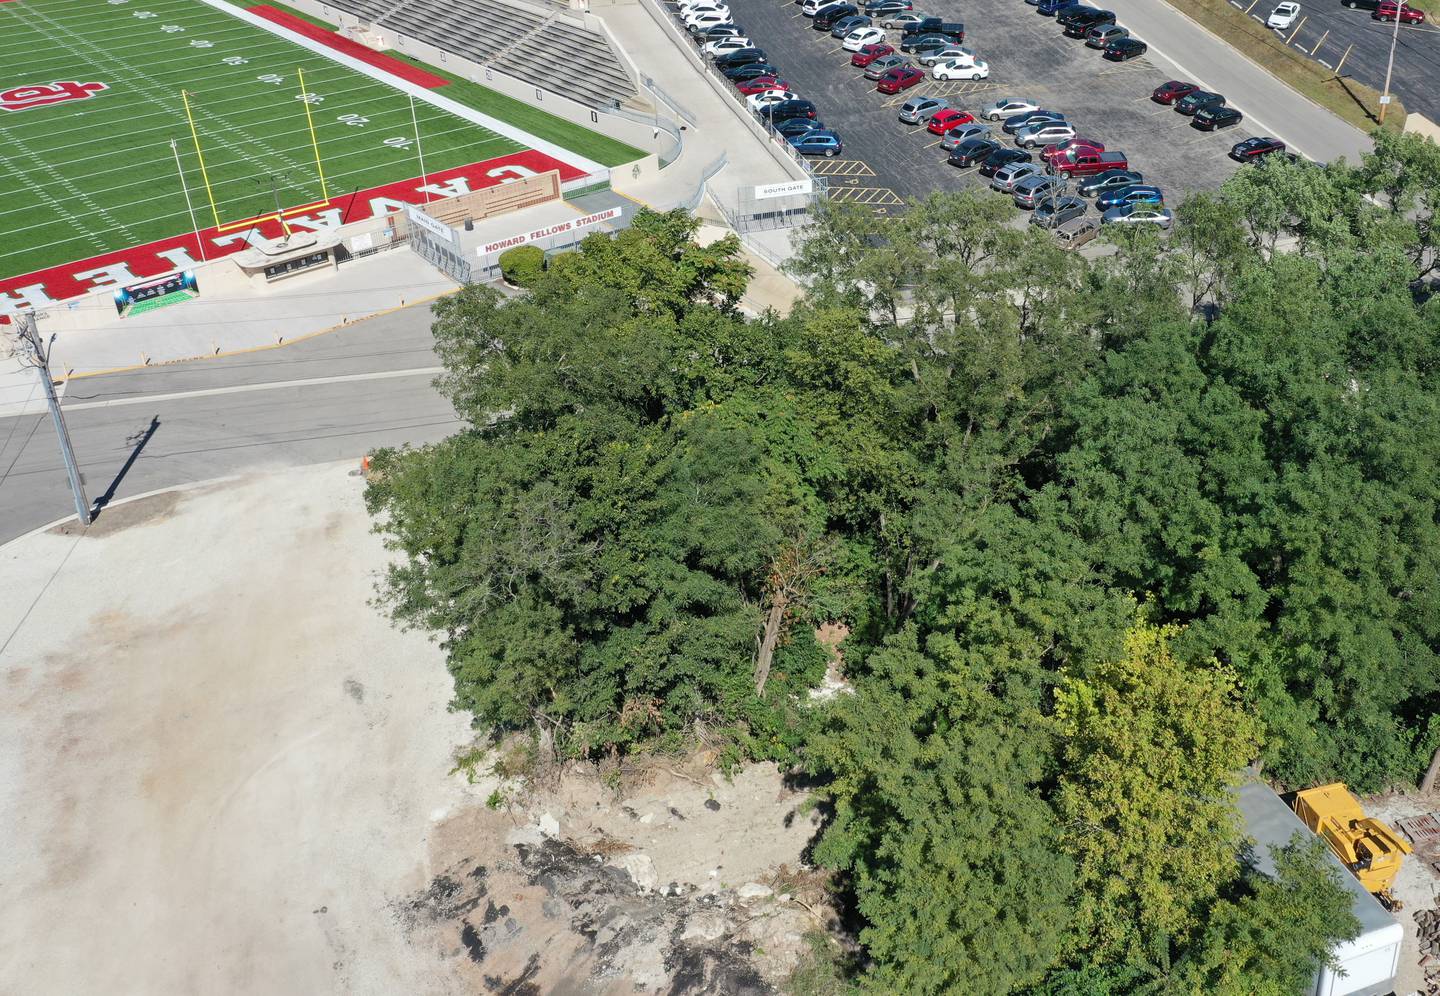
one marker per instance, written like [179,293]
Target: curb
[256,349]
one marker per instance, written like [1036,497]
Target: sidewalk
[1268,104]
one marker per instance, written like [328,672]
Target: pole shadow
[137,443]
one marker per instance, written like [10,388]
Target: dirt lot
[223,771]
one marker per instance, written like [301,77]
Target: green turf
[91,176]
[156,303]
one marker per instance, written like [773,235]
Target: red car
[1062,150]
[1168,93]
[900,78]
[869,53]
[762,83]
[943,121]
[1390,10]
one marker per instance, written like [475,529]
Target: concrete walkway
[1269,104]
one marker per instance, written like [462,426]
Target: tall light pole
[34,354]
[1390,66]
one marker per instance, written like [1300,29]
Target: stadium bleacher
[532,43]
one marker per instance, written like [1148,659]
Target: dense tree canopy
[1104,532]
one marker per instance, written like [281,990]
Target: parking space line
[841,167]
[869,196]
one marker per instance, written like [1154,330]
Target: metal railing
[692,202]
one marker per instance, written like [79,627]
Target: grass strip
[1352,101]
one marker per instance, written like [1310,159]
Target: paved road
[324,399]
[1268,103]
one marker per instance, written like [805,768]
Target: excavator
[1369,848]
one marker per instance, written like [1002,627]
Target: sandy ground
[1417,884]
[219,766]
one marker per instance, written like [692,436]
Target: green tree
[1150,745]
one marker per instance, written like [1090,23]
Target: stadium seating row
[528,43]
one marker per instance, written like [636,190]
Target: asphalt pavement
[328,398]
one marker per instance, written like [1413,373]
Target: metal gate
[445,256]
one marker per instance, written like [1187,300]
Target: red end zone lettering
[22,98]
[179,252]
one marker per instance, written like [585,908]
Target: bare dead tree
[793,570]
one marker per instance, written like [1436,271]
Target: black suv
[785,110]
[826,17]
[973,151]
[1079,24]
[740,57]
[995,161]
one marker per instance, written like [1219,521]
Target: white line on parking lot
[1325,64]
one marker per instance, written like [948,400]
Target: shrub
[522,265]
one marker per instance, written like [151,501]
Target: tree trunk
[767,643]
[1428,782]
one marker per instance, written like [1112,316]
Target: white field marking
[42,194]
[418,92]
[221,139]
[144,37]
[179,214]
[279,385]
[75,193]
[217,184]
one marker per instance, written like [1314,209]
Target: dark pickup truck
[1087,162]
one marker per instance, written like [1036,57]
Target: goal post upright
[204,175]
[314,141]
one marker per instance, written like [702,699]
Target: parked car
[919,44]
[1043,133]
[1125,49]
[1001,158]
[1086,162]
[869,53]
[855,22]
[1254,149]
[1005,178]
[717,31]
[1215,118]
[1008,107]
[1055,211]
[1198,101]
[1062,150]
[1033,189]
[1168,93]
[792,107]
[1361,4]
[1391,10]
[1135,193]
[722,45]
[1102,35]
[757,101]
[703,22]
[859,38]
[1283,16]
[741,71]
[832,15]
[899,79]
[821,142]
[812,7]
[960,69]
[1078,23]
[917,110]
[1111,179]
[951,51]
[799,126]
[923,25]
[972,152]
[958,136]
[903,18]
[762,83]
[943,121]
[1138,214]
[701,10]
[1077,232]
[954,30]
[886,63]
[744,57]
[1015,122]
[883,8]
[1051,8]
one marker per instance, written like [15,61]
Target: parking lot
[886,160]
[1358,46]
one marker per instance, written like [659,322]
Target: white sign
[362,242]
[544,233]
[770,190]
[436,228]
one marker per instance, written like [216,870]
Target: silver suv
[918,110]
[1031,190]
[955,136]
[1104,34]
[1007,176]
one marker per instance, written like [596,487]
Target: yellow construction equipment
[1370,849]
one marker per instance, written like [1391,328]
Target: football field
[97,151]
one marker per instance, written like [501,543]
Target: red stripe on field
[126,266]
[407,72]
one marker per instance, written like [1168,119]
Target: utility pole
[34,354]
[1390,66]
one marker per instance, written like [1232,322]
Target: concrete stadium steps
[529,41]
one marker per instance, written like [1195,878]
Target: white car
[860,37]
[961,69]
[812,7]
[1045,133]
[706,10]
[765,98]
[1283,16]
[697,23]
[722,45]
[1007,107]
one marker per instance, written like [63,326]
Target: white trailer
[1366,965]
